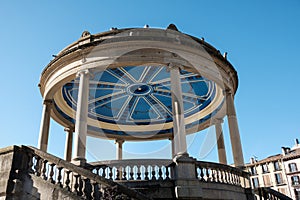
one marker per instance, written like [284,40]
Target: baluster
[229,177]
[160,173]
[67,182]
[207,175]
[80,186]
[59,177]
[37,166]
[124,173]
[147,172]
[30,162]
[153,173]
[96,194]
[236,179]
[118,174]
[198,171]
[131,172]
[76,185]
[222,176]
[97,170]
[87,189]
[201,174]
[110,174]
[167,173]
[239,180]
[211,175]
[233,178]
[217,176]
[103,171]
[51,179]
[44,170]
[138,173]
[226,177]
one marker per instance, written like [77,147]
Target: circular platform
[130,94]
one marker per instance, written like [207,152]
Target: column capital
[48,102]
[119,141]
[83,72]
[217,121]
[228,91]
[69,129]
[173,66]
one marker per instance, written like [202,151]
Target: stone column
[45,125]
[179,136]
[234,131]
[119,149]
[172,147]
[220,141]
[69,142]
[81,117]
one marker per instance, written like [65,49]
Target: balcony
[156,177]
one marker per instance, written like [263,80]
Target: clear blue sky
[262,39]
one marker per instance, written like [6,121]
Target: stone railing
[72,178]
[218,173]
[135,169]
[265,193]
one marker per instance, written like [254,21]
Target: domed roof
[129,86]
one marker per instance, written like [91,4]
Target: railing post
[186,183]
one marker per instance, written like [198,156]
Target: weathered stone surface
[6,159]
[23,179]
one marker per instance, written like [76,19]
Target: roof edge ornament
[172,27]
[85,34]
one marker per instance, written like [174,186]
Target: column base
[81,162]
[181,154]
[187,186]
[188,189]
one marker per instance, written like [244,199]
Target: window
[253,170]
[297,193]
[278,178]
[265,168]
[293,167]
[267,180]
[255,182]
[276,166]
[295,180]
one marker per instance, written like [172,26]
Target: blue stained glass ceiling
[138,95]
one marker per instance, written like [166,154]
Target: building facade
[280,172]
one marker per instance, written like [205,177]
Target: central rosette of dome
[139,89]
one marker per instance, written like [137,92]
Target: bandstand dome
[129,86]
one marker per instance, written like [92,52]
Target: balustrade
[265,193]
[219,173]
[99,180]
[132,170]
[75,179]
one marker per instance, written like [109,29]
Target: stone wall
[17,183]
[28,173]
